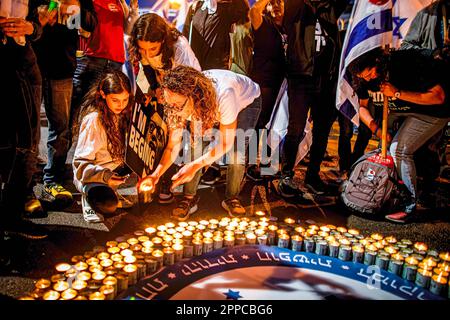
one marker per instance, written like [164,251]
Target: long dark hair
[112,82]
[151,27]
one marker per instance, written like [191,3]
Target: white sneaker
[89,214]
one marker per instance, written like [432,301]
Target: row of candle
[106,271]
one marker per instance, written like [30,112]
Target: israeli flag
[373,23]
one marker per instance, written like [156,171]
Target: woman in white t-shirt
[218,99]
[154,48]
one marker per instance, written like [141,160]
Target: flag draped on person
[373,23]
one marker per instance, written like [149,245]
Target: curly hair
[189,82]
[151,27]
[112,82]
[377,57]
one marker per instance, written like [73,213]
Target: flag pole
[384,124]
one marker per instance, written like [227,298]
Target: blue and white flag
[373,23]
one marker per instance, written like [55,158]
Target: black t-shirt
[268,54]
[408,70]
[210,32]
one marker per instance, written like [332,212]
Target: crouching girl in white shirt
[100,150]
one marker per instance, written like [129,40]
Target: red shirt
[107,40]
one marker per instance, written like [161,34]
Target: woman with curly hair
[100,150]
[213,99]
[158,47]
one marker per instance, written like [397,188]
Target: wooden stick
[384,127]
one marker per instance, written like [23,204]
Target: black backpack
[373,186]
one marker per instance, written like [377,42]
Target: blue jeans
[57,99]
[415,131]
[246,120]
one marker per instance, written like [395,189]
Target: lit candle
[263,224]
[79,285]
[150,231]
[136,247]
[198,247]
[68,294]
[444,266]
[188,251]
[194,223]
[391,240]
[98,276]
[158,256]
[410,269]
[344,242]
[382,260]
[228,241]
[358,254]
[168,238]
[161,228]
[61,286]
[309,244]
[51,295]
[116,257]
[396,264]
[131,271]
[377,237]
[213,221]
[438,284]
[289,221]
[260,214]
[106,263]
[92,261]
[344,252]
[151,265]
[251,238]
[300,230]
[323,234]
[63,267]
[171,231]
[353,232]
[26,298]
[200,227]
[129,259]
[122,281]
[83,276]
[170,225]
[97,296]
[321,248]
[333,247]
[157,241]
[123,245]
[178,252]
[208,234]
[180,229]
[108,292]
[341,230]
[445,256]
[420,248]
[113,250]
[208,245]
[430,263]
[217,242]
[262,239]
[423,278]
[239,239]
[311,232]
[390,249]
[370,255]
[43,284]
